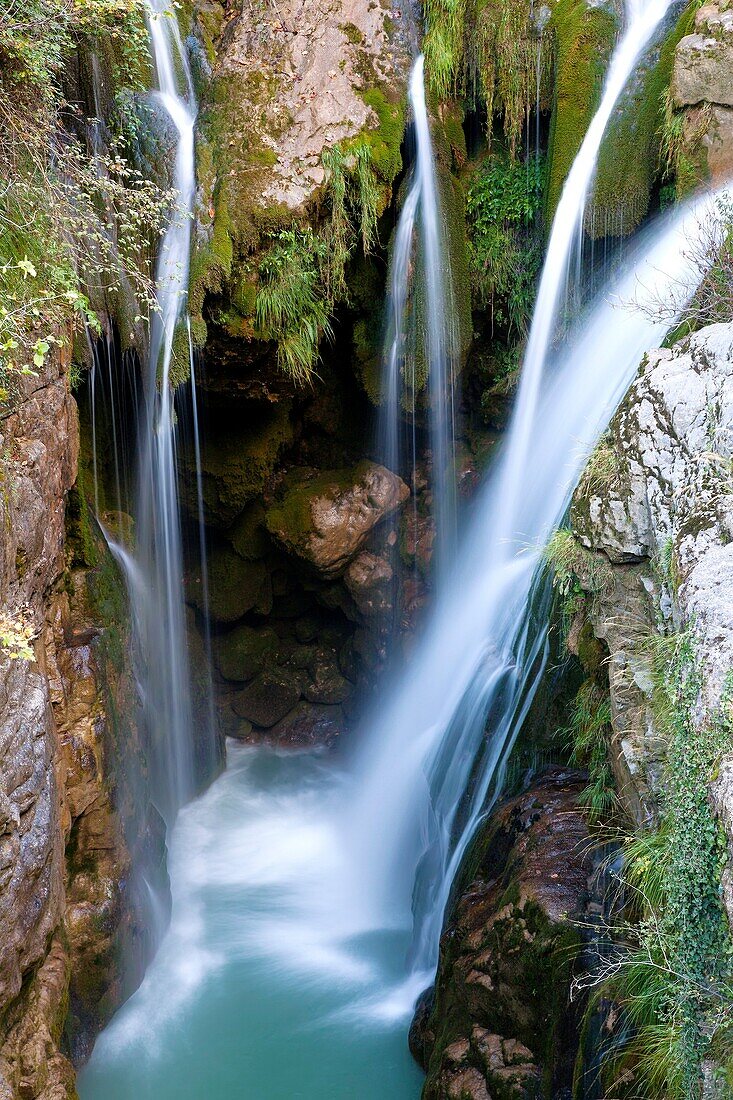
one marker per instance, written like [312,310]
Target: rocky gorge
[580,876]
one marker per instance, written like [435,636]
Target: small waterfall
[428,769]
[155,574]
[420,249]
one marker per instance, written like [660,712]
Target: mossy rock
[631,157]
[237,464]
[243,652]
[268,698]
[324,517]
[585,36]
[248,535]
[501,1009]
[235,586]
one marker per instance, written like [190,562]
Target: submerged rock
[325,518]
[500,1023]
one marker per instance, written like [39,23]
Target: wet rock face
[703,67]
[325,518]
[499,1023]
[317,54]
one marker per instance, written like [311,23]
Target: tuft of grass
[290,307]
[600,472]
[587,736]
[671,975]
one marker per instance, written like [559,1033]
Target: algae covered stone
[236,463]
[235,586]
[243,652]
[325,518]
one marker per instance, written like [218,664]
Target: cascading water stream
[642,19]
[273,944]
[156,583]
[420,248]
[426,766]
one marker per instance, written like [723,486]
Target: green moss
[385,140]
[237,463]
[353,34]
[288,292]
[584,39]
[233,166]
[633,153]
[290,518]
[491,50]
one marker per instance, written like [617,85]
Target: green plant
[681,139]
[671,976]
[587,737]
[493,48]
[503,204]
[290,307]
[73,229]
[600,471]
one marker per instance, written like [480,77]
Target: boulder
[247,534]
[308,726]
[500,1023]
[324,518]
[703,61]
[369,581]
[243,652]
[298,75]
[235,586]
[268,698]
[326,685]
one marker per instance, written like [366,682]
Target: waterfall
[154,573]
[428,769]
[295,886]
[409,310]
[290,908]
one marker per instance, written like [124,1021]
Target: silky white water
[420,249]
[156,592]
[486,659]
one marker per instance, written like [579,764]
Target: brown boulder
[325,518]
[369,581]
